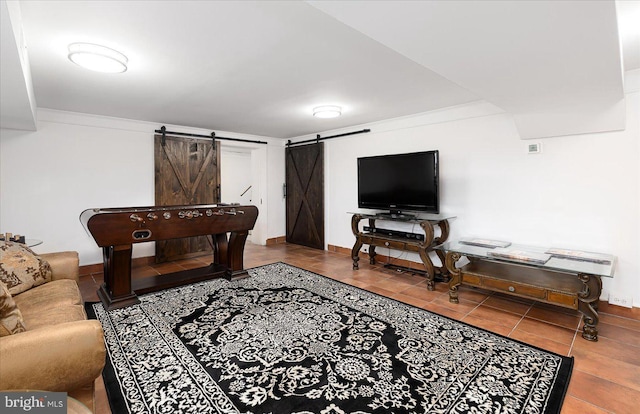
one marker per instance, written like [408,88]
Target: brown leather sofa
[60,350]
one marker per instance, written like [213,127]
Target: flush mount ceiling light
[98,58]
[327,111]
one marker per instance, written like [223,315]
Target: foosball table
[115,230]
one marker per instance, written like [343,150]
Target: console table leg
[355,253]
[590,318]
[456,275]
[443,269]
[587,305]
[431,272]
[372,255]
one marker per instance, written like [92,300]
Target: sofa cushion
[64,265]
[11,321]
[54,317]
[54,302]
[20,268]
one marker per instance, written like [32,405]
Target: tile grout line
[553,323]
[477,306]
[575,335]
[590,403]
[521,319]
[613,315]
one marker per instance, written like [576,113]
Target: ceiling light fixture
[97,58]
[327,111]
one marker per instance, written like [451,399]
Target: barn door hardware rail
[318,138]
[164,132]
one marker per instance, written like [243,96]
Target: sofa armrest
[64,265]
[60,358]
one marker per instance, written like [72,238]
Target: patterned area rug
[286,340]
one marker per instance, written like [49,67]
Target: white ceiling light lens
[327,111]
[97,58]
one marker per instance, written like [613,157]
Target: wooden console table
[569,283]
[377,237]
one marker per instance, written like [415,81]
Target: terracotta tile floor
[606,375]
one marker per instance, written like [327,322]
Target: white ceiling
[260,67]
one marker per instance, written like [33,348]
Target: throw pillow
[11,321]
[20,268]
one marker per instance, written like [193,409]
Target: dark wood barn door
[305,195]
[186,172]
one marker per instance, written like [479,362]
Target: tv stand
[407,242]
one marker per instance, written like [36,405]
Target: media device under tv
[399,183]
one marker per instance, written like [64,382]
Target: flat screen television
[399,182]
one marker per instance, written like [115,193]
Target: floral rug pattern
[289,341]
